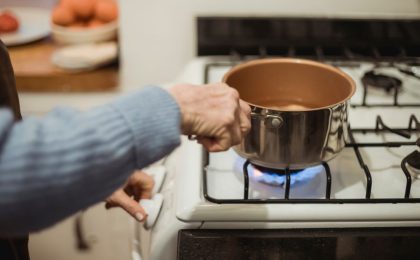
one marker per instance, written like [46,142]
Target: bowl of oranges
[84,21]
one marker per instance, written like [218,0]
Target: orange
[106,10]
[62,16]
[83,9]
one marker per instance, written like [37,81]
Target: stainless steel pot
[299,111]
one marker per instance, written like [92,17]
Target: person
[54,166]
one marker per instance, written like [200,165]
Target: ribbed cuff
[154,118]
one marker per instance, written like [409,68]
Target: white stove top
[347,183]
[225,181]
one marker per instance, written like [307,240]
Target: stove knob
[158,174]
[152,208]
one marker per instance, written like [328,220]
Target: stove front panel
[384,243]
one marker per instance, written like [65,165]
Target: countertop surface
[35,72]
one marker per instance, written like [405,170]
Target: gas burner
[381,81]
[411,163]
[413,160]
[275,171]
[277,177]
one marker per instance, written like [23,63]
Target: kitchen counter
[35,72]
[42,86]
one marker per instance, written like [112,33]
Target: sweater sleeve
[52,167]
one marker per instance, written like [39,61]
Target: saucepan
[299,111]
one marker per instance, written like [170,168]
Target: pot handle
[272,121]
[256,115]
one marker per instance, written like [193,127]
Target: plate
[34,25]
[83,57]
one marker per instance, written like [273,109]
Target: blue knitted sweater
[51,167]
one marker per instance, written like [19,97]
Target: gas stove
[371,189]
[372,183]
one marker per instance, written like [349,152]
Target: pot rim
[300,61]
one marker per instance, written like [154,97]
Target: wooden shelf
[35,72]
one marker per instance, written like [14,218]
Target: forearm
[52,167]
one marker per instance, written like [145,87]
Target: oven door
[381,243]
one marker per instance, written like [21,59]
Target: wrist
[182,93]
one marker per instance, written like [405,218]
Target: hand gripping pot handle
[270,121]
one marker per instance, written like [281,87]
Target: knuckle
[151,182]
[229,119]
[248,125]
[247,109]
[236,140]
[245,106]
[226,145]
[146,181]
[223,85]
[234,93]
[247,129]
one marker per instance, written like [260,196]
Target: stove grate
[413,126]
[392,84]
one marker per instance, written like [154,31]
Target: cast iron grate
[394,86]
[413,127]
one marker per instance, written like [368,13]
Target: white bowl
[101,33]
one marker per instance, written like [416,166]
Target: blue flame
[276,179]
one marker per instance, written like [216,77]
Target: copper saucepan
[299,111]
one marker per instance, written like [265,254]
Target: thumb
[131,206]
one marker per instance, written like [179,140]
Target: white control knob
[158,173]
[152,208]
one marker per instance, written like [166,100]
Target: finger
[214,145]
[142,184]
[131,206]
[109,205]
[235,127]
[146,194]
[237,133]
[245,117]
[129,190]
[207,143]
